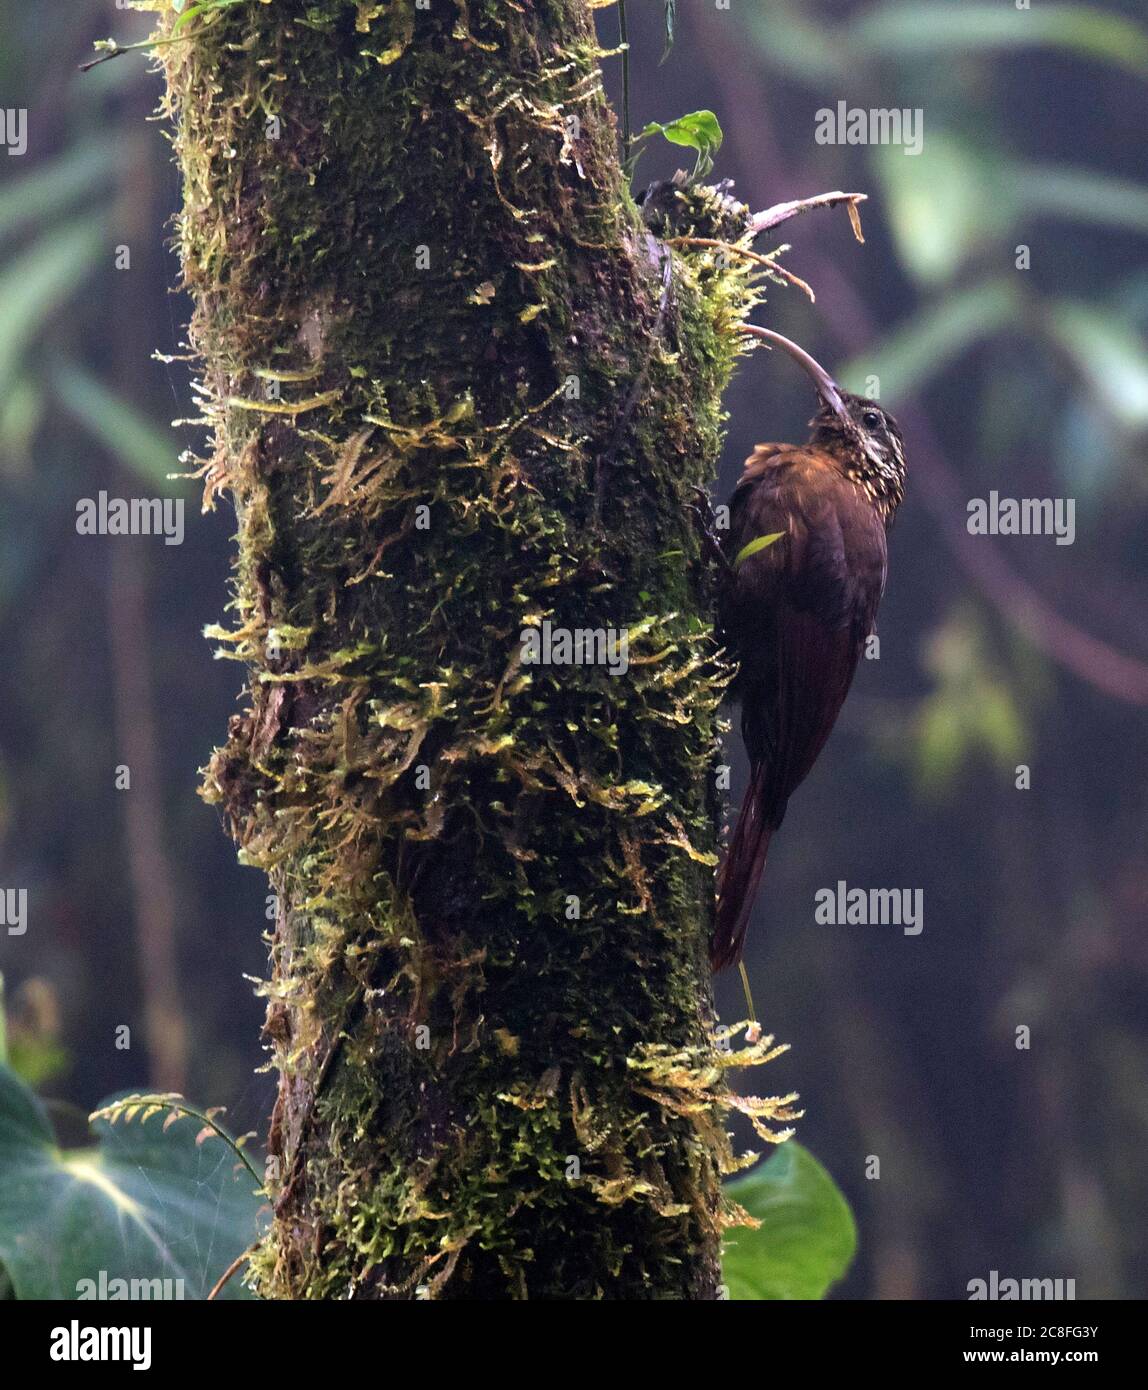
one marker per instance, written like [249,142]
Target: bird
[805,560]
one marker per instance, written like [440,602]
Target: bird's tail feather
[741,872]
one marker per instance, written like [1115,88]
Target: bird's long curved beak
[827,388]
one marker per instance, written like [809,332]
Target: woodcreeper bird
[804,572]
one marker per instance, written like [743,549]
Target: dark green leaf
[964,198]
[821,53]
[784,37]
[972,710]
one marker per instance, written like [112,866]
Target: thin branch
[115,50]
[237,1263]
[624,45]
[767,261]
[782,212]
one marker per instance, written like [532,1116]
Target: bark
[459,390]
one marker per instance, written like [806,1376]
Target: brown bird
[805,569]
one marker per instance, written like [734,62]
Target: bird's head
[867,441]
[860,435]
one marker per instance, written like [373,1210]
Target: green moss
[401,263]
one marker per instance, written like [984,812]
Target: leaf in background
[1110,356]
[822,53]
[147,1203]
[118,426]
[913,31]
[20,414]
[944,207]
[37,282]
[949,734]
[971,710]
[1091,455]
[785,38]
[671,10]
[40,195]
[30,1029]
[918,350]
[947,207]
[1080,195]
[807,1237]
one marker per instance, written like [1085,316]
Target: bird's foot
[704,519]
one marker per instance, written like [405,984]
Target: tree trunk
[460,394]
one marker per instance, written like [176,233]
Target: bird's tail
[741,872]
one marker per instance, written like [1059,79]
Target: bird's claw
[705,520]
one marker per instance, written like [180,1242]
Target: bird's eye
[871,420]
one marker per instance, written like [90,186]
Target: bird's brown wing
[796,615]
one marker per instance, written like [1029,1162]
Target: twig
[782,212]
[624,44]
[767,261]
[796,281]
[235,1264]
[115,50]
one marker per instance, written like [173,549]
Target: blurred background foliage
[996,652]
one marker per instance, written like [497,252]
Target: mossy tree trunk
[460,391]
